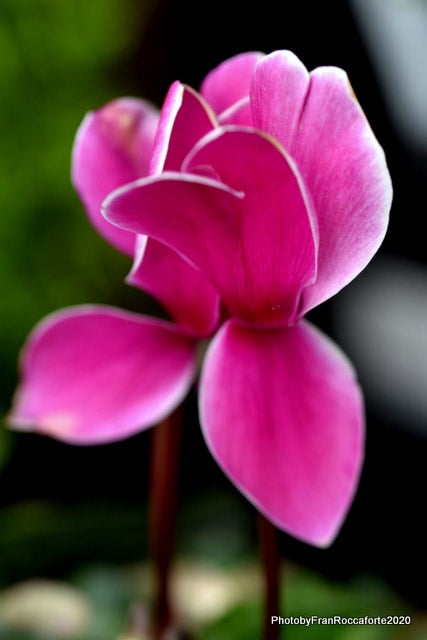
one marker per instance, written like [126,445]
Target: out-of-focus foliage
[41,537]
[57,61]
[97,576]
[306,594]
[98,601]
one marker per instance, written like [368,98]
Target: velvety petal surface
[184,119]
[321,124]
[251,232]
[183,291]
[279,88]
[282,414]
[240,113]
[113,146]
[229,82]
[95,374]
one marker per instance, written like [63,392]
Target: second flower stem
[271,564]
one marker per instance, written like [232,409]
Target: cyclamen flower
[260,198]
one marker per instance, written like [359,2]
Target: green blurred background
[76,518]
[58,60]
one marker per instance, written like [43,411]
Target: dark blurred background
[61,505]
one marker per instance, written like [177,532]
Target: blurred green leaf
[209,534]
[41,538]
[57,61]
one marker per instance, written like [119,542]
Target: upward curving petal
[112,147]
[96,374]
[282,414]
[318,120]
[346,172]
[278,91]
[157,269]
[184,119]
[239,113]
[229,82]
[250,232]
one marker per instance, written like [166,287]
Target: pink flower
[260,198]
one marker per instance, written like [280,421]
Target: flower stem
[163,499]
[271,561]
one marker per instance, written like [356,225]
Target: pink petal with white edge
[239,113]
[184,119]
[186,295]
[340,160]
[96,374]
[251,233]
[157,269]
[278,91]
[283,416]
[112,147]
[229,82]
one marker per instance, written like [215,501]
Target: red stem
[163,500]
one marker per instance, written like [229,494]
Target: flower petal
[279,87]
[112,147]
[185,293]
[276,232]
[251,233]
[95,374]
[157,269]
[282,414]
[239,113]
[320,123]
[184,119]
[229,82]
